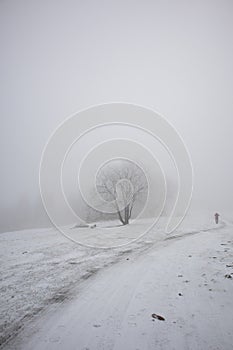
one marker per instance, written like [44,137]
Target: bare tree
[122,184]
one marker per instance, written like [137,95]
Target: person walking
[216,216]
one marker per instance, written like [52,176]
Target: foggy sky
[58,57]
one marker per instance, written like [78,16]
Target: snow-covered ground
[59,295]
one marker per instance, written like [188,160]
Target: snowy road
[182,280]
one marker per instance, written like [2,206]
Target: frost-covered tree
[122,184]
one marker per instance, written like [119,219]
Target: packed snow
[56,294]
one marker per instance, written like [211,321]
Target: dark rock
[158,317]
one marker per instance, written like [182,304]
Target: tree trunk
[125,216]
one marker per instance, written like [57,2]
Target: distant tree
[122,184]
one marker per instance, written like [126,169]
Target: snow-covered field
[59,295]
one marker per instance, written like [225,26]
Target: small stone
[158,317]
